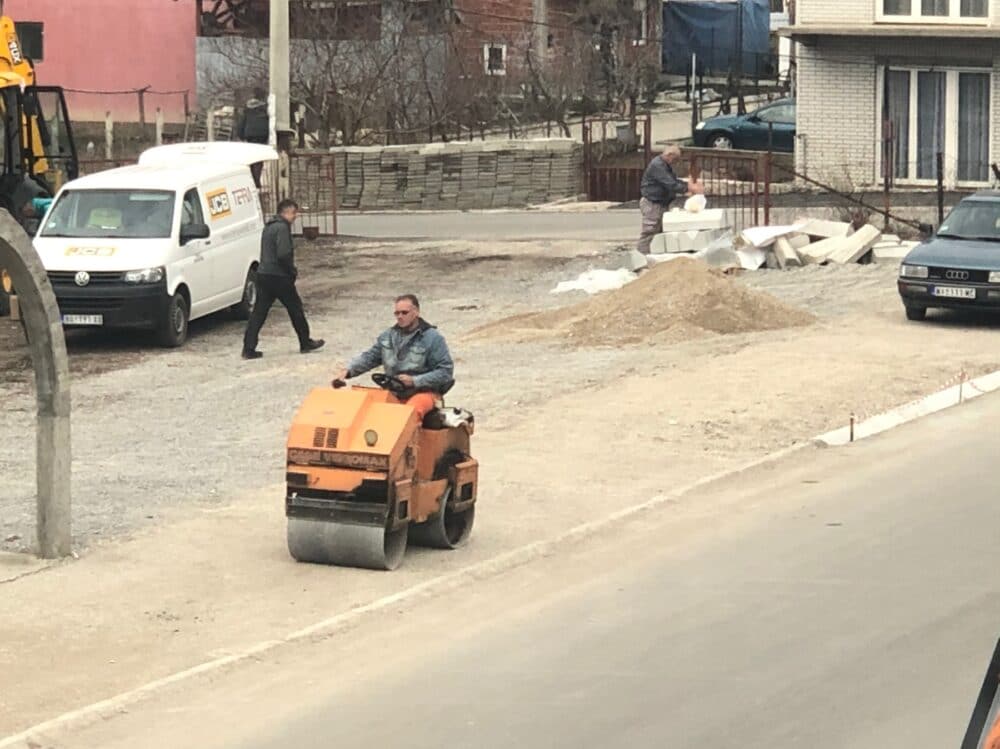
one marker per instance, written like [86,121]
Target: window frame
[954,17]
[951,136]
[487,47]
[20,27]
[198,200]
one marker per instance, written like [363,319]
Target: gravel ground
[154,431]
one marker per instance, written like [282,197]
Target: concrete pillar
[48,354]
[279,105]
[279,65]
[540,34]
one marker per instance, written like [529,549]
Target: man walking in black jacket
[276,276]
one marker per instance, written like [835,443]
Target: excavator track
[366,546]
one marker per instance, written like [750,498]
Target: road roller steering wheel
[390,383]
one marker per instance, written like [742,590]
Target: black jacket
[254,125]
[277,253]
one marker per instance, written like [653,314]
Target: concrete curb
[939,401]
[89,714]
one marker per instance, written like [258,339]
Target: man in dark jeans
[276,280]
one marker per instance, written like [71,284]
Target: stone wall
[490,174]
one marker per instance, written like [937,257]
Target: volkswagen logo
[957,275]
[82,278]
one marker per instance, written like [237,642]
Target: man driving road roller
[412,351]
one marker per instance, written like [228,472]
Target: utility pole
[279,105]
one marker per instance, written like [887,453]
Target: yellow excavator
[37,151]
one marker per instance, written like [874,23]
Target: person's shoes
[252,354]
[312,345]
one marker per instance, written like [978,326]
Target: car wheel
[174,326]
[916,313]
[721,141]
[244,308]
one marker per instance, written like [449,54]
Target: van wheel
[244,308]
[174,326]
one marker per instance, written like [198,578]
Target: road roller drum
[365,476]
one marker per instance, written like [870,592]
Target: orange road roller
[365,476]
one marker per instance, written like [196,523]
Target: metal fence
[615,153]
[738,182]
[312,180]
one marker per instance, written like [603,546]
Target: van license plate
[954,292]
[83,319]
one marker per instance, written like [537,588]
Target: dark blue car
[751,131]
[959,267]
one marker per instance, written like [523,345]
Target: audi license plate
[954,292]
[83,319]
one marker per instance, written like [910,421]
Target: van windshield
[129,214]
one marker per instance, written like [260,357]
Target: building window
[32,37]
[933,11]
[495,59]
[926,112]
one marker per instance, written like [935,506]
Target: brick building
[890,83]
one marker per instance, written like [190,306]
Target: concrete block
[785,253]
[665,243]
[841,249]
[889,253]
[856,246]
[684,221]
[632,260]
[825,229]
[798,241]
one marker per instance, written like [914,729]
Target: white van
[155,245]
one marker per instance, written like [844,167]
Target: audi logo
[957,275]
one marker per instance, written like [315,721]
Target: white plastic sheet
[596,281]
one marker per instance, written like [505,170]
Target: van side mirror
[194,231]
[926,229]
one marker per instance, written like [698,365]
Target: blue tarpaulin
[716,31]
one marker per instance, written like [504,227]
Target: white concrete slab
[824,229]
[713,218]
[856,246]
[798,241]
[785,254]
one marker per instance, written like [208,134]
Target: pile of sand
[680,300]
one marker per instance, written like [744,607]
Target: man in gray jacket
[276,276]
[660,186]
[414,352]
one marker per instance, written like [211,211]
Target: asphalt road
[846,598]
[614,225]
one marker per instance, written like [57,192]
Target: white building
[924,72]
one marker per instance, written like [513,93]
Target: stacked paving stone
[492,174]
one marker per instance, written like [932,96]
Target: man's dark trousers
[269,289]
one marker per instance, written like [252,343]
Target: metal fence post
[768,163]
[940,187]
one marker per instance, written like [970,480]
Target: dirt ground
[178,455]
